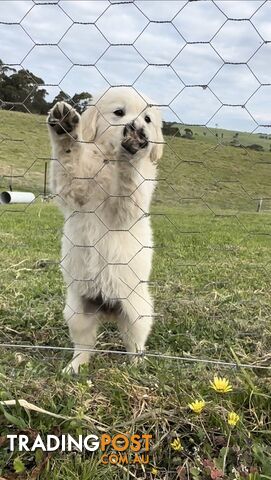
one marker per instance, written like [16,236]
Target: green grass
[211,284]
[24,148]
[260,136]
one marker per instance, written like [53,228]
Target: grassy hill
[226,136]
[211,286]
[203,169]
[24,148]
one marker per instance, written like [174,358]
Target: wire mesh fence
[215,69]
[205,66]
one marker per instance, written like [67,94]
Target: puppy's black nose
[134,138]
[141,134]
[129,128]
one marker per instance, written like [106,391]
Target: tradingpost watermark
[120,448]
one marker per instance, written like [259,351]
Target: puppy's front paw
[63,119]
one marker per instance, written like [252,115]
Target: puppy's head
[123,119]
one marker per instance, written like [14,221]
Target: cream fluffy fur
[104,193]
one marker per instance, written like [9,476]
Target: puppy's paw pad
[63,118]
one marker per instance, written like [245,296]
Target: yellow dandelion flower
[221,385]
[197,406]
[154,471]
[177,445]
[233,418]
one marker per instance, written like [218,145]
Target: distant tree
[61,97]
[255,146]
[81,101]
[22,90]
[171,129]
[39,104]
[4,70]
[4,74]
[188,133]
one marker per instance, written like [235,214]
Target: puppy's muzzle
[134,139]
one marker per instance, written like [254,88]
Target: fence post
[45,181]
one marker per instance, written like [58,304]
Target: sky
[204,62]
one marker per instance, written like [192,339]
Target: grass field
[211,284]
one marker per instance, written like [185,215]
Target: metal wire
[142,355]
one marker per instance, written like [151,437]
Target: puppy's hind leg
[83,329]
[136,320]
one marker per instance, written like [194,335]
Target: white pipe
[16,197]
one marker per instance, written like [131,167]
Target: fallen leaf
[216,474]
[3,440]
[181,472]
[220,441]
[208,463]
[39,468]
[211,469]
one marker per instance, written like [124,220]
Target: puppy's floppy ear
[89,123]
[158,144]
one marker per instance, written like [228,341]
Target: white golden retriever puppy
[103,173]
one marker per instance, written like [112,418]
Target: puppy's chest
[101,230]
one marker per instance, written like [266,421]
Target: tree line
[22,91]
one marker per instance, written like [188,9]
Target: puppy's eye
[147,119]
[120,112]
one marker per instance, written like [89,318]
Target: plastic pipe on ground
[16,197]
